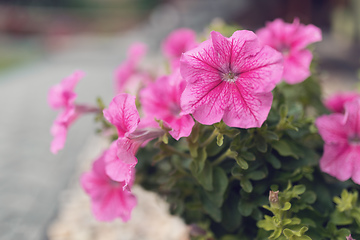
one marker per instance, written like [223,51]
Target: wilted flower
[230,79]
[291,39]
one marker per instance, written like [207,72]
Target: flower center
[354,140]
[229,77]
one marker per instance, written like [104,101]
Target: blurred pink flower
[230,79]
[109,198]
[161,100]
[62,95]
[122,113]
[337,101]
[350,238]
[178,42]
[341,134]
[60,127]
[291,39]
[127,76]
[116,168]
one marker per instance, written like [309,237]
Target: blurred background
[43,41]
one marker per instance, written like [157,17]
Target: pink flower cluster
[341,134]
[220,79]
[62,97]
[291,40]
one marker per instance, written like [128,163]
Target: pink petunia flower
[60,127]
[109,198]
[230,79]
[116,168]
[341,134]
[161,100]
[127,76]
[178,42]
[291,39]
[132,133]
[62,95]
[122,113]
[350,238]
[337,101]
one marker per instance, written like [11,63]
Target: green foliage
[219,178]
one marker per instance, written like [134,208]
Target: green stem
[175,151]
[211,138]
[221,158]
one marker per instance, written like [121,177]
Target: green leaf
[220,183]
[245,207]
[256,175]
[248,156]
[274,161]
[205,177]
[241,162]
[340,218]
[246,185]
[210,207]
[284,149]
[231,216]
[261,144]
[271,136]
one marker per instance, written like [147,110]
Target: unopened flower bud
[274,198]
[349,238]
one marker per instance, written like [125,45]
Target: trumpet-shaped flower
[230,79]
[341,134]
[178,42]
[127,77]
[291,40]
[161,100]
[109,198]
[132,133]
[337,101]
[62,95]
[122,113]
[60,127]
[116,168]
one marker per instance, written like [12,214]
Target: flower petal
[331,128]
[297,66]
[247,110]
[338,160]
[123,114]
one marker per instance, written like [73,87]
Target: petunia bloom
[62,95]
[122,113]
[127,76]
[109,198]
[178,42]
[291,39]
[230,79]
[337,101]
[132,133]
[341,134]
[60,127]
[161,100]
[116,168]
